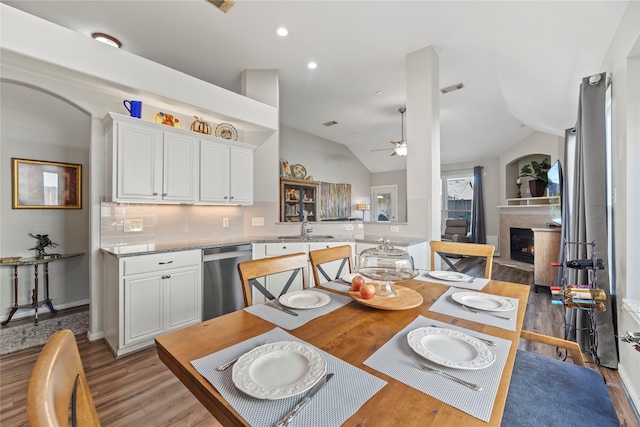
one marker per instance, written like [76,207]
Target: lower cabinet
[148,295]
[277,282]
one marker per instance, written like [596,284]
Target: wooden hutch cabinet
[296,197]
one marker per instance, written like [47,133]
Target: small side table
[35,303]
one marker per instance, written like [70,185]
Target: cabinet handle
[231,197]
[225,197]
[167,262]
[166,277]
[164,194]
[155,194]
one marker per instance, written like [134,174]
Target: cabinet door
[214,172]
[183,298]
[241,176]
[139,163]
[143,308]
[180,168]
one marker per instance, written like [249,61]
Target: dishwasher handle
[225,255]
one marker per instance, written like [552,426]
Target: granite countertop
[154,248]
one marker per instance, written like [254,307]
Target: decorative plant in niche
[537,171]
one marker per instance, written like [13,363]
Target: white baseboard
[24,312]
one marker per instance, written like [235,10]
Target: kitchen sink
[307,238]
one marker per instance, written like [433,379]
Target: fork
[427,368]
[232,361]
[485,312]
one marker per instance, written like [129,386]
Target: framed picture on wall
[46,185]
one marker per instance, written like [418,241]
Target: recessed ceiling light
[312,65]
[107,39]
[378,92]
[282,31]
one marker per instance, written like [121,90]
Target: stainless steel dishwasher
[221,281]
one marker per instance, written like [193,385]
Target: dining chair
[343,254]
[478,251]
[58,384]
[550,392]
[250,271]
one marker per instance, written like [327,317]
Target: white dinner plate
[451,348]
[451,276]
[304,299]
[348,277]
[486,302]
[278,370]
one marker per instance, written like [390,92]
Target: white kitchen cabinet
[153,164]
[276,283]
[226,175]
[148,295]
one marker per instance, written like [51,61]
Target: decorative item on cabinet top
[226,131]
[285,169]
[200,126]
[168,119]
[299,171]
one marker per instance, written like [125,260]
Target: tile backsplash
[166,223]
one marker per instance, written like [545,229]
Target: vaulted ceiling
[521,62]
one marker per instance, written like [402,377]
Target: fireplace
[522,244]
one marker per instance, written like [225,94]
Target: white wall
[622,63]
[38,126]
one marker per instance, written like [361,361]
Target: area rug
[20,337]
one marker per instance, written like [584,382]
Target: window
[457,196]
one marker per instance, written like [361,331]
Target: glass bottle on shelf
[585,304]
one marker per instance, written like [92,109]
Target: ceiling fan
[400,148]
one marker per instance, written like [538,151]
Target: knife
[287,418]
[279,307]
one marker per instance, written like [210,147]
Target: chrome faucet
[306,230]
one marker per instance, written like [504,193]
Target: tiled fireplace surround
[520,218]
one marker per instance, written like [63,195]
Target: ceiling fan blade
[383,149]
[394,153]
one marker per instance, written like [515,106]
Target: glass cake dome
[386,264]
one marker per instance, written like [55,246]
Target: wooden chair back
[480,251]
[572,347]
[57,380]
[323,256]
[251,270]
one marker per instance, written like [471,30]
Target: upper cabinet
[152,163]
[226,173]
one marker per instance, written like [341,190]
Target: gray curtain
[478,232]
[585,213]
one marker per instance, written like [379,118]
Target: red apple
[368,291]
[356,283]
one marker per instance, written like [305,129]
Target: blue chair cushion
[549,392]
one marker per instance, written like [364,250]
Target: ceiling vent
[331,123]
[223,5]
[452,88]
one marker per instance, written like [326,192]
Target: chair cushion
[549,392]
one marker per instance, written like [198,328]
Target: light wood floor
[138,390]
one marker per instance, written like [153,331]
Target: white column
[423,140]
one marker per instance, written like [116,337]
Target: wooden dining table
[351,333]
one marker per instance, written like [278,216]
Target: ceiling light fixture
[401,146]
[312,65]
[282,32]
[331,123]
[452,88]
[378,92]
[107,39]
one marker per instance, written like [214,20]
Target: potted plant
[537,171]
